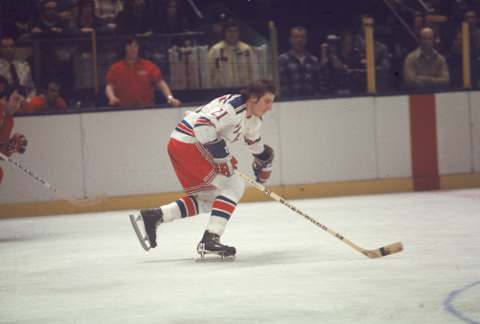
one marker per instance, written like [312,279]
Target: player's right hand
[17,144]
[226,167]
[223,161]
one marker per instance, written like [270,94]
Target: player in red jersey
[12,99]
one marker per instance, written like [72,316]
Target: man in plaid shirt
[299,69]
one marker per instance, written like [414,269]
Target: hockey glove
[17,144]
[223,162]
[262,164]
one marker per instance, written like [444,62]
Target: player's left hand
[262,164]
[18,143]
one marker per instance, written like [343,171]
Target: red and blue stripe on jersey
[203,121]
[185,128]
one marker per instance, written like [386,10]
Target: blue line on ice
[449,307]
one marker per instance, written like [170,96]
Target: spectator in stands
[16,16]
[86,20]
[107,11]
[349,70]
[48,101]
[49,21]
[171,18]
[131,82]
[425,68]
[299,69]
[435,19]
[470,17]
[350,64]
[13,70]
[232,63]
[136,18]
[454,59]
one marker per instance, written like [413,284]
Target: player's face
[261,105]
[14,102]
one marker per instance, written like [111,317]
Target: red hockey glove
[262,164]
[224,163]
[18,143]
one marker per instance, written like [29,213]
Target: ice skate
[145,225]
[210,245]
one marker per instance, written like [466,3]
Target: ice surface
[91,269]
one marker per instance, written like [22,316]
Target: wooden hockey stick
[377,253]
[86,202]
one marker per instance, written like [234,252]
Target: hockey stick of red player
[377,253]
[76,202]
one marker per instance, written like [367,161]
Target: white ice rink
[91,268]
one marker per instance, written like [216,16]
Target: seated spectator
[49,21]
[131,82]
[107,11]
[13,70]
[49,101]
[425,68]
[299,69]
[136,18]
[232,63]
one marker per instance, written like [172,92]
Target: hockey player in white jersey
[199,152]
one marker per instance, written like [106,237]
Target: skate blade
[205,256]
[141,235]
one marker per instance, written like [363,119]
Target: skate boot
[210,244]
[151,219]
[147,234]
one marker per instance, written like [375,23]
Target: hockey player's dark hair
[257,89]
[11,88]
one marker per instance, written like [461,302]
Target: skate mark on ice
[449,307]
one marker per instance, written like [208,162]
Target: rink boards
[323,148]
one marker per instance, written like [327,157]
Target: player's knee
[234,188]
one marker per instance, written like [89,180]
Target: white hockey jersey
[223,117]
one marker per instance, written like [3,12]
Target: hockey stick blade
[81,203]
[372,254]
[384,251]
[87,202]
